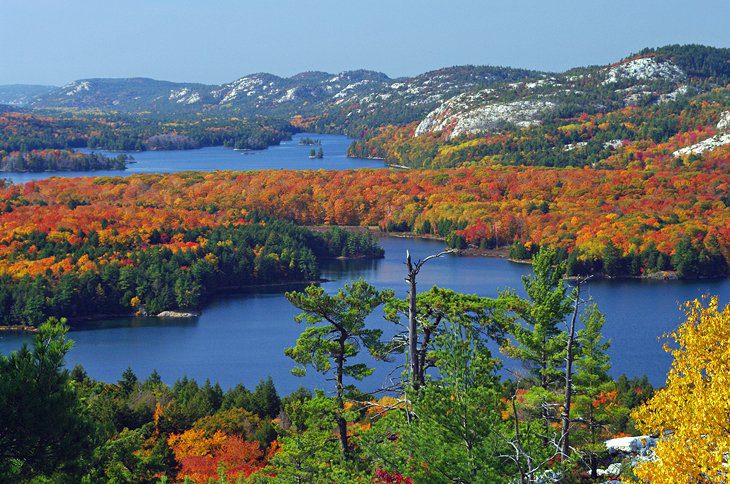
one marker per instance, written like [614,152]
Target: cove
[240,338]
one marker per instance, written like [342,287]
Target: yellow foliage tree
[691,414]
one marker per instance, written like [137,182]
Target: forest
[30,132]
[614,222]
[173,268]
[451,417]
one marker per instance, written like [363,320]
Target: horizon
[217,42]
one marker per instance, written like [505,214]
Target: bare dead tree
[416,376]
[527,466]
[565,430]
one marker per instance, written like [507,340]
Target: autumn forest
[610,173]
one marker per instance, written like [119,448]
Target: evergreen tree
[539,341]
[538,337]
[591,378]
[613,263]
[686,259]
[44,430]
[335,333]
[265,399]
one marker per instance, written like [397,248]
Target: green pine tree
[336,331]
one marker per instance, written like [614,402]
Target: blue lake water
[288,155]
[241,338]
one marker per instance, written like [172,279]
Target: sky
[217,41]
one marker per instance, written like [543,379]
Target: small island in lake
[319,154]
[310,142]
[59,160]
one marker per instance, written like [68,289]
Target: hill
[371,96]
[660,107]
[22,94]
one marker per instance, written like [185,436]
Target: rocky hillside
[660,108]
[651,77]
[125,95]
[405,100]
[452,102]
[370,97]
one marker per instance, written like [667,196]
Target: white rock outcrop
[722,138]
[723,125]
[184,96]
[76,87]
[644,69]
[457,113]
[640,445]
[708,144]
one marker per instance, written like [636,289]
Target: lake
[241,338]
[288,155]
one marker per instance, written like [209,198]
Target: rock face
[723,125]
[631,450]
[708,144]
[640,445]
[528,102]
[176,314]
[184,96]
[463,115]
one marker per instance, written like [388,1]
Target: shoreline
[499,253]
[77,323]
[503,253]
[18,329]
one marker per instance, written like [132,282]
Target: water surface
[289,155]
[242,337]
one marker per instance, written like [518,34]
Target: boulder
[176,314]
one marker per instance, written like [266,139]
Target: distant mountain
[347,96]
[22,94]
[125,95]
[455,100]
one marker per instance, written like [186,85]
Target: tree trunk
[544,412]
[518,447]
[565,434]
[427,330]
[593,460]
[417,366]
[412,328]
[341,422]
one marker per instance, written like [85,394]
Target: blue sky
[215,41]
